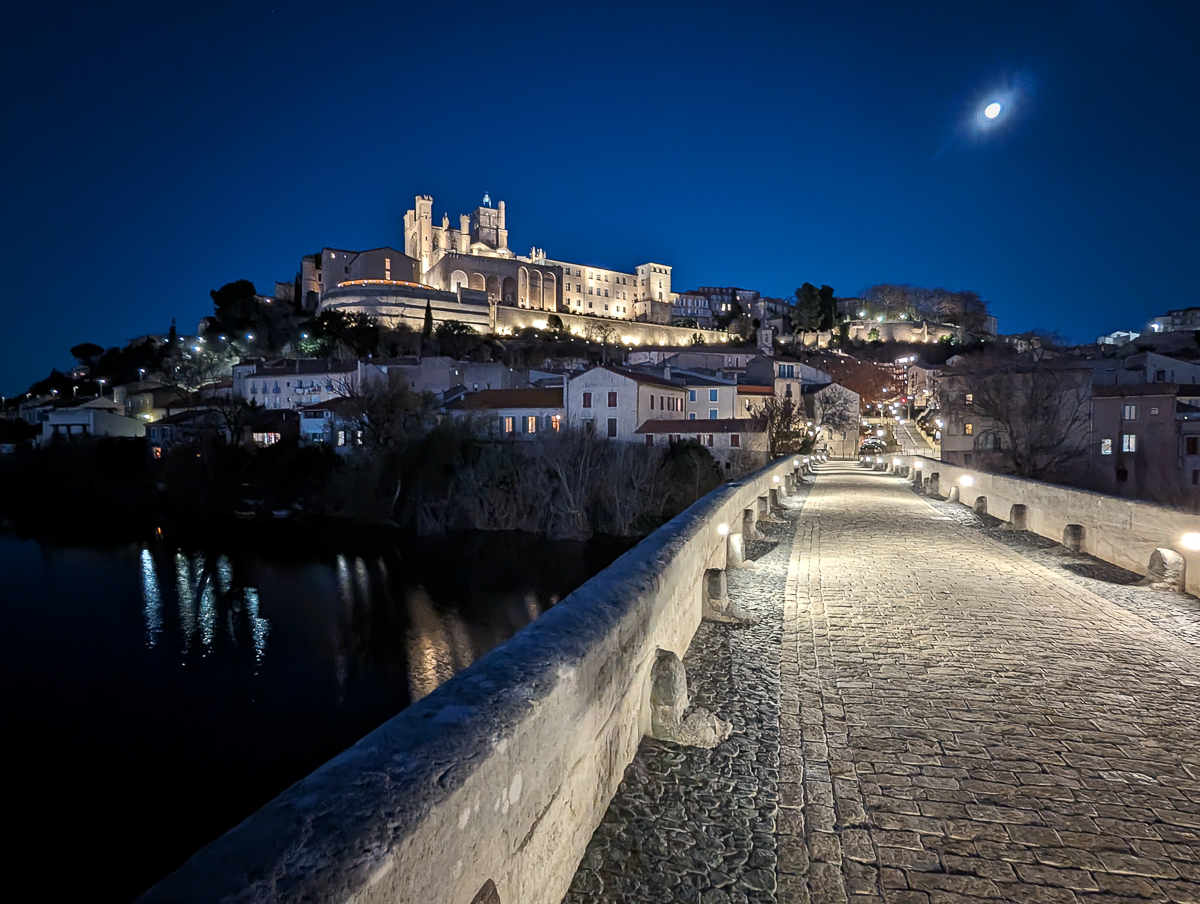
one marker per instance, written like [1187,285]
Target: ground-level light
[723,529]
[896,462]
[966,480]
[1190,541]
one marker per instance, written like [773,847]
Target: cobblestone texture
[946,712]
[699,825]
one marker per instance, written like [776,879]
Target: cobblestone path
[959,721]
[933,710]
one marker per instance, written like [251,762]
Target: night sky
[152,153]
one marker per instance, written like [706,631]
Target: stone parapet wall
[1121,531]
[509,320]
[490,787]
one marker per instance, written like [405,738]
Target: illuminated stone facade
[475,255]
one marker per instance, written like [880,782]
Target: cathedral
[476,256]
[466,272]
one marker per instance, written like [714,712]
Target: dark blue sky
[152,153]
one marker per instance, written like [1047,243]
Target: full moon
[992,110]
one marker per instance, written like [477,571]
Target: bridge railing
[489,789]
[1144,538]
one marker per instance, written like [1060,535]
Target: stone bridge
[891,697]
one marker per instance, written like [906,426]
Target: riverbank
[567,487]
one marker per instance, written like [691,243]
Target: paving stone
[932,709]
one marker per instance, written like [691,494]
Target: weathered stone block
[669,703]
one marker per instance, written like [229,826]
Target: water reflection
[206,680]
[151,598]
[209,579]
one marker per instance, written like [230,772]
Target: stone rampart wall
[509,320]
[1121,531]
[502,774]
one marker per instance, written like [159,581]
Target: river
[156,694]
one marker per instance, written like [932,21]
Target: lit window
[970,397]
[1129,442]
[969,429]
[510,425]
[1130,413]
[556,422]
[531,424]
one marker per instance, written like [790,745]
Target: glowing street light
[966,480]
[723,529]
[1190,541]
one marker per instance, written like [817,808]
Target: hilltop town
[362,354]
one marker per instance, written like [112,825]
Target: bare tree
[1029,417]
[388,416]
[604,333]
[836,407]
[786,423]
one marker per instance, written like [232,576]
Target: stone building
[476,255]
[514,414]
[613,402]
[1146,442]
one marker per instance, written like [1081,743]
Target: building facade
[1146,442]
[613,402]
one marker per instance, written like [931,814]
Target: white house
[91,417]
[294,383]
[330,423]
[614,402]
[520,414]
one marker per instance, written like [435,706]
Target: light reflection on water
[210,578]
[206,682]
[153,602]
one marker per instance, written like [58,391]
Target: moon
[992,110]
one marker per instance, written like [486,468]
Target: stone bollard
[953,495]
[718,606]
[749,529]
[735,551]
[669,703]
[1073,537]
[980,507]
[931,485]
[774,503]
[764,511]
[1167,571]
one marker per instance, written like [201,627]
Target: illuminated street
[964,713]
[959,721]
